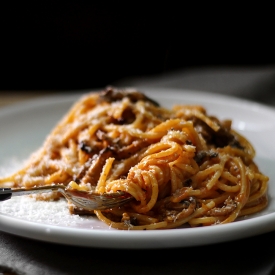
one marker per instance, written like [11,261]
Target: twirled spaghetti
[182,166]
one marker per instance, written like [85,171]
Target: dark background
[58,46]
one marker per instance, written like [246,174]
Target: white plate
[24,127]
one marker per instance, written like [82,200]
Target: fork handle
[5,194]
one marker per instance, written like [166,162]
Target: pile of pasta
[182,166]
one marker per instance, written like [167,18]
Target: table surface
[247,256]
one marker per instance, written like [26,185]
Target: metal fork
[82,199]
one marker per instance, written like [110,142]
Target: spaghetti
[182,166]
